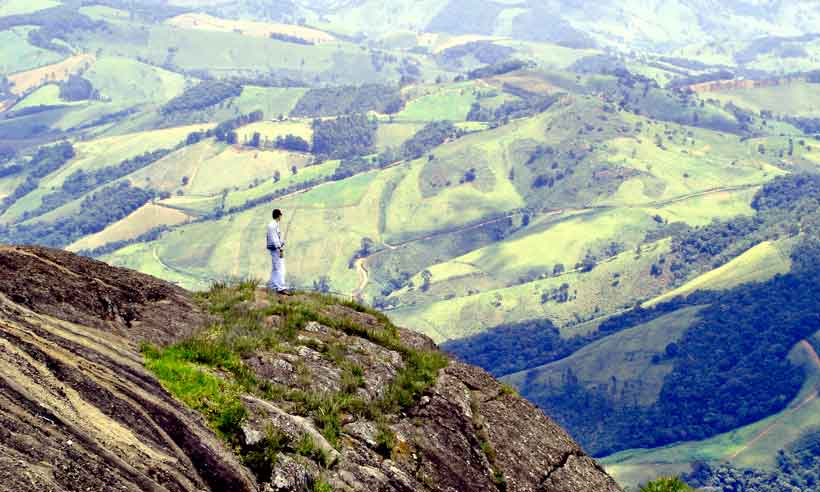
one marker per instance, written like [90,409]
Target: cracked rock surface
[78,411]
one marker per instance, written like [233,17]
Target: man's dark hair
[277,213]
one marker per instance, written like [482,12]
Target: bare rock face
[78,411]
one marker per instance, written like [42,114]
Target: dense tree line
[45,161]
[527,106]
[106,119]
[95,213]
[515,347]
[730,369]
[334,101]
[81,182]
[497,69]
[53,23]
[225,131]
[290,39]
[485,52]
[77,88]
[806,124]
[785,206]
[699,79]
[293,143]
[344,137]
[108,248]
[203,95]
[430,136]
[7,153]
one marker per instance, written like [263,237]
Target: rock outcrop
[79,410]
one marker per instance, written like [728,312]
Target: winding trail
[788,412]
[364,278]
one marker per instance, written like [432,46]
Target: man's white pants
[277,272]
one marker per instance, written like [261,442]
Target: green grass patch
[207,371]
[216,398]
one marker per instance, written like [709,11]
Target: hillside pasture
[126,81]
[795,98]
[438,103]
[592,295]
[327,225]
[55,72]
[272,101]
[18,55]
[100,153]
[17,7]
[241,168]
[47,95]
[271,129]
[758,264]
[395,134]
[138,222]
[250,28]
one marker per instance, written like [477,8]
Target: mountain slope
[80,410]
[76,404]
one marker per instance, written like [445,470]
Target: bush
[666,484]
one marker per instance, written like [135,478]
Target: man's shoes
[283,292]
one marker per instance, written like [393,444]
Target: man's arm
[274,238]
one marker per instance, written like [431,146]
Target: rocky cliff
[113,380]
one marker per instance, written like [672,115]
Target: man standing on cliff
[276,246]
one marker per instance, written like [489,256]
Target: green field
[439,103]
[758,264]
[328,222]
[15,7]
[122,80]
[47,95]
[17,54]
[273,101]
[795,99]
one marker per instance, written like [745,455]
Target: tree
[232,138]
[666,484]
[427,277]
[256,140]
